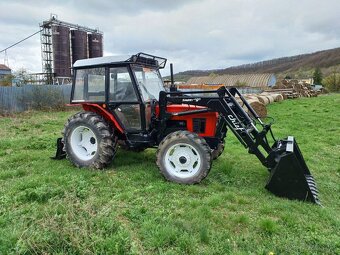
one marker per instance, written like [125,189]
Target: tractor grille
[199,125]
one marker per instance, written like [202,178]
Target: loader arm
[289,174]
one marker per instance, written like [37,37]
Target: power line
[21,41]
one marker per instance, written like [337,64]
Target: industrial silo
[61,51]
[78,44]
[95,45]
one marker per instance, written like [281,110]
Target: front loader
[125,103]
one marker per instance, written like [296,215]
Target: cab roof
[139,58]
[101,60]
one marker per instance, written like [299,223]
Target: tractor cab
[125,86]
[127,91]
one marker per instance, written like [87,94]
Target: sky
[192,34]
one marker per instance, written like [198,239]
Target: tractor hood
[196,118]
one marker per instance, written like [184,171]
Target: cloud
[207,34]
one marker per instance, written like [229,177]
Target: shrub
[44,98]
[332,82]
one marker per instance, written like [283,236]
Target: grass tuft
[204,234]
[269,226]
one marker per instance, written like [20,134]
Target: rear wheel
[184,157]
[89,140]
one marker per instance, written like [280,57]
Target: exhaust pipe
[289,174]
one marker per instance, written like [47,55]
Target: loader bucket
[290,176]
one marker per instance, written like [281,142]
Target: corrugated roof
[4,67]
[249,80]
[200,80]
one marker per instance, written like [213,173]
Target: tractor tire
[218,151]
[184,157]
[89,140]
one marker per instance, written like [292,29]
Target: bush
[44,98]
[332,82]
[7,80]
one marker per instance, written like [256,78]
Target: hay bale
[251,97]
[270,98]
[258,107]
[239,100]
[277,97]
[263,99]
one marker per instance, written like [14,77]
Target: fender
[100,110]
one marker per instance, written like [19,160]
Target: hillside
[298,66]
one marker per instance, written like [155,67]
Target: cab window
[121,87]
[89,85]
[149,81]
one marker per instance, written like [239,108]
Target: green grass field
[50,206]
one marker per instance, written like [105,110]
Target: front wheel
[184,157]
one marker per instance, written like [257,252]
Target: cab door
[149,83]
[124,101]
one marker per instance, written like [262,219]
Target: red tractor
[125,103]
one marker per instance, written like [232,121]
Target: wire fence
[39,97]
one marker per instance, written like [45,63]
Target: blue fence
[19,99]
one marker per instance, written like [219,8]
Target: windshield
[149,81]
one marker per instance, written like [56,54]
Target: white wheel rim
[84,143]
[182,160]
